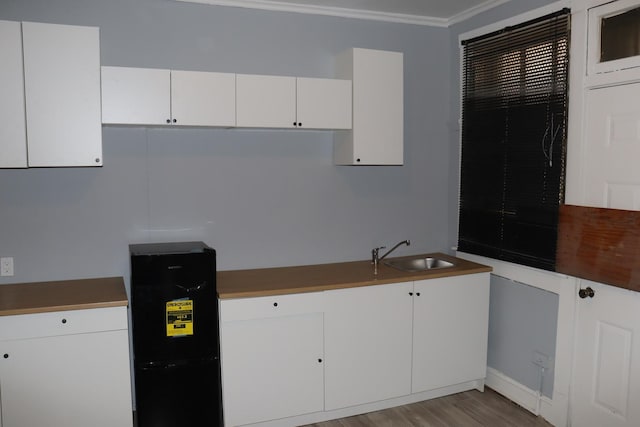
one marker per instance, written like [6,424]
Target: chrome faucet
[375,254]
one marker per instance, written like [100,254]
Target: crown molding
[401,18]
[327,10]
[463,16]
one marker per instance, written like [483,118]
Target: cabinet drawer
[70,322]
[272,306]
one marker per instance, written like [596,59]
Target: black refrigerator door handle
[188,289]
[161,365]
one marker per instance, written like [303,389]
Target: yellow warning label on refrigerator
[179,318]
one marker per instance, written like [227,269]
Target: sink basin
[418,264]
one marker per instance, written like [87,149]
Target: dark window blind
[514,119]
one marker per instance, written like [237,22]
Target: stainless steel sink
[418,264]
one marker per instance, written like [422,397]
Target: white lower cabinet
[450,330]
[325,354]
[367,344]
[65,369]
[272,357]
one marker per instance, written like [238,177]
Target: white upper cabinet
[203,98]
[265,101]
[13,136]
[149,96]
[377,137]
[323,103]
[51,95]
[136,95]
[62,92]
[290,102]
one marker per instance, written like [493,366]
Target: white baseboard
[520,394]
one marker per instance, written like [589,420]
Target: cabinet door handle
[586,293]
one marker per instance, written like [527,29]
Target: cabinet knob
[175,120]
[6,355]
[97,159]
[586,293]
[417,293]
[275,304]
[64,320]
[358,160]
[410,293]
[168,120]
[319,360]
[300,124]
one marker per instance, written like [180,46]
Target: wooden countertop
[41,297]
[321,277]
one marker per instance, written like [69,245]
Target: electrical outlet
[6,266]
[541,360]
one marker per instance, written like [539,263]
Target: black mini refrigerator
[176,350]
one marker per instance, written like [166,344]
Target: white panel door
[203,98]
[612,147]
[450,330]
[324,103]
[13,137]
[136,96]
[66,381]
[367,344]
[377,137]
[606,384]
[265,101]
[272,368]
[62,92]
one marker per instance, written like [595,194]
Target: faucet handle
[375,253]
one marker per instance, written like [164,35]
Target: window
[514,117]
[620,35]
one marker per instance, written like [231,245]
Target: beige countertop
[321,277]
[41,297]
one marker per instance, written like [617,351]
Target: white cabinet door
[62,92]
[323,103]
[611,177]
[367,344]
[13,137]
[377,137]
[450,330]
[203,98]
[606,374]
[136,96]
[265,101]
[66,381]
[272,357]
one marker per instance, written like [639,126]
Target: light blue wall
[261,198]
[523,320]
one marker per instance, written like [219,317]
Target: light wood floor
[468,409]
